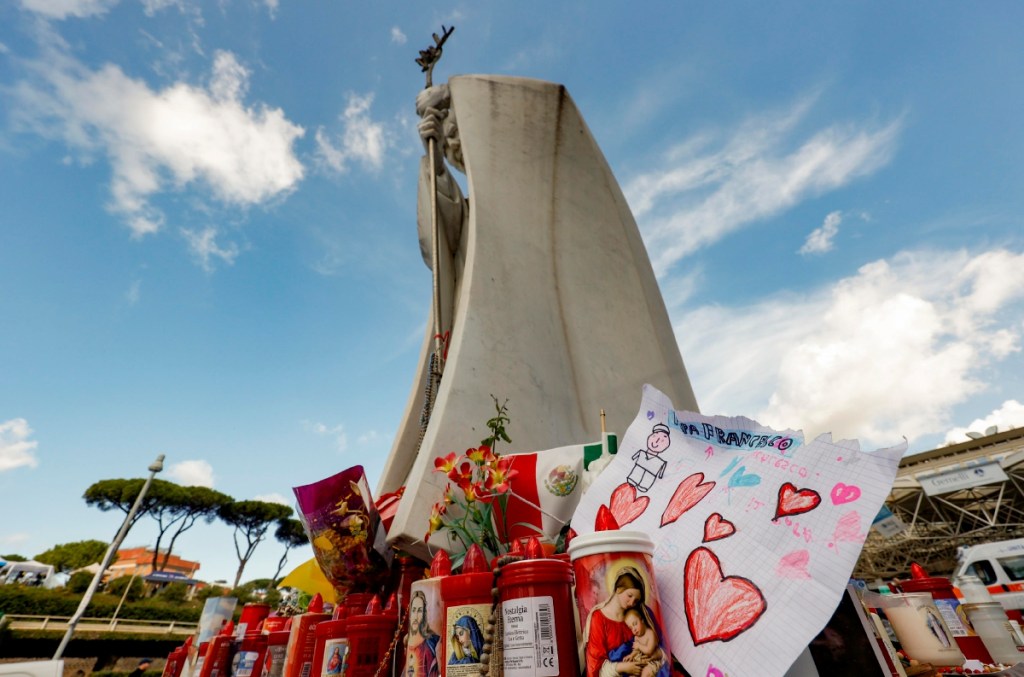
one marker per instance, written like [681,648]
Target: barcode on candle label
[530,646]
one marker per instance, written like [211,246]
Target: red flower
[461,475]
[481,455]
[445,463]
[436,520]
[499,476]
[474,491]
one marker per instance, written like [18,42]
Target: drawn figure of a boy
[649,465]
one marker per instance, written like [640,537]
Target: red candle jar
[250,656]
[330,657]
[467,607]
[277,651]
[302,640]
[369,638]
[616,595]
[251,616]
[538,628]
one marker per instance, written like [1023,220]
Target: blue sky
[208,250]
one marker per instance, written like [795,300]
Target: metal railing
[126,625]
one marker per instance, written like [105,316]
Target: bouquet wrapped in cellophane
[345,530]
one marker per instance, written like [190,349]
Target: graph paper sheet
[756,531]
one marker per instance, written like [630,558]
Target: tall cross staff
[427,60]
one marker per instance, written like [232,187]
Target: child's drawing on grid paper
[756,530]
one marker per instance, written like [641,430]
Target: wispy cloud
[204,247]
[62,9]
[1009,415]
[882,354]
[397,36]
[336,433]
[821,239]
[193,473]
[274,498]
[706,188]
[182,136]
[16,449]
[361,139]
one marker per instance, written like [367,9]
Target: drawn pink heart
[848,527]
[717,527]
[625,505]
[844,493]
[794,565]
[718,607]
[688,494]
[793,501]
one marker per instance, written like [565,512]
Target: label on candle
[530,647]
[335,657]
[245,663]
[465,636]
[947,609]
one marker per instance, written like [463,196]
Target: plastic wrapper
[345,530]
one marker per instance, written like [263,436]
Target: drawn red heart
[716,527]
[625,505]
[688,494]
[793,501]
[718,607]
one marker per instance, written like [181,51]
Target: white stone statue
[546,294]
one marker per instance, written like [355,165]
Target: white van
[1000,566]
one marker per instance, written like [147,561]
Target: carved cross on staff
[432,54]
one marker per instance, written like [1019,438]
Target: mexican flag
[547,486]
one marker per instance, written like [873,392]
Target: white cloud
[195,473]
[368,438]
[274,498]
[879,355]
[16,450]
[820,239]
[397,36]
[182,136]
[203,245]
[361,140]
[336,432]
[62,9]
[151,7]
[701,192]
[1009,415]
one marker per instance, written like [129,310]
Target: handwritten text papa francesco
[740,439]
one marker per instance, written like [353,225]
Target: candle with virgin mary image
[618,604]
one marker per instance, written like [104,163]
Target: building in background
[138,562]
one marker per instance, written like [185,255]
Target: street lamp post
[154,468]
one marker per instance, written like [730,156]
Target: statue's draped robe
[552,299]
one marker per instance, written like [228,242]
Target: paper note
[756,531]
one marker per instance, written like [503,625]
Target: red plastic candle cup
[538,627]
